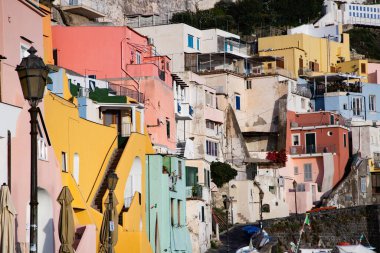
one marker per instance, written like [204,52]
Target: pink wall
[374,73]
[18,18]
[109,51]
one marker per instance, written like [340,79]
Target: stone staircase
[112,164]
[242,218]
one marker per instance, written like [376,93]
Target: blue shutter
[237,98]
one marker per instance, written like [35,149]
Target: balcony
[184,111]
[120,90]
[86,8]
[311,150]
[194,192]
[214,114]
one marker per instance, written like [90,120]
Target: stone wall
[328,227]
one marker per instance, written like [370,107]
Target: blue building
[360,105]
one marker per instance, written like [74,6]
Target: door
[314,193]
[310,143]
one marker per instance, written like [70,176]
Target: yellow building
[85,151]
[303,54]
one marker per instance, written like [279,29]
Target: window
[198,43]
[363,68]
[363,184]
[210,99]
[307,172]
[269,65]
[375,182]
[357,106]
[42,150]
[344,140]
[295,139]
[345,107]
[76,167]
[237,101]
[191,176]
[296,170]
[211,148]
[138,58]
[180,169]
[190,41]
[172,211]
[206,175]
[332,119]
[168,128]
[372,103]
[249,84]
[64,162]
[265,208]
[301,187]
[203,214]
[210,124]
[179,211]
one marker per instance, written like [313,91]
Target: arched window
[133,183]
[265,208]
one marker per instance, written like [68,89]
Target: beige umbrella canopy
[7,221]
[104,230]
[66,221]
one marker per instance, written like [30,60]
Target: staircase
[112,164]
[242,218]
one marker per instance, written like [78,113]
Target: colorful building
[22,26]
[318,146]
[124,58]
[87,150]
[166,204]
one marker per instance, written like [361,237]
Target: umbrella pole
[33,183]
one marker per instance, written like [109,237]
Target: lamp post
[112,181]
[261,195]
[227,203]
[33,73]
[295,194]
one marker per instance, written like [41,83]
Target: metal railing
[194,191]
[311,149]
[97,5]
[119,90]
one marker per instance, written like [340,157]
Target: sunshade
[7,221]
[66,228]
[104,230]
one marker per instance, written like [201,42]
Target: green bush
[222,173]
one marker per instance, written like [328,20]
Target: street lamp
[261,195]
[33,73]
[112,181]
[227,203]
[295,194]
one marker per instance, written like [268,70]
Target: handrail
[96,179]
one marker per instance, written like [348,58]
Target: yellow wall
[95,143]
[354,66]
[291,47]
[48,42]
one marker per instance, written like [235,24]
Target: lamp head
[32,73]
[112,181]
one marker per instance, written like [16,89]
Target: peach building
[124,58]
[318,148]
[374,72]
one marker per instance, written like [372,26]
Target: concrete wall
[374,73]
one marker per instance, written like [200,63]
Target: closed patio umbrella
[104,230]
[66,221]
[7,221]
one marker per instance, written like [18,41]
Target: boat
[315,250]
[248,249]
[358,248]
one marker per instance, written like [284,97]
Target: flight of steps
[242,218]
[98,201]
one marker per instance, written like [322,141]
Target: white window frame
[299,139]
[357,106]
[138,57]
[64,158]
[212,148]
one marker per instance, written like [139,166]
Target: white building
[350,12]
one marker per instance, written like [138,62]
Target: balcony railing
[88,8]
[119,90]
[194,191]
[311,149]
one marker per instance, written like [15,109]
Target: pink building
[124,57]
[21,26]
[374,72]
[318,148]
